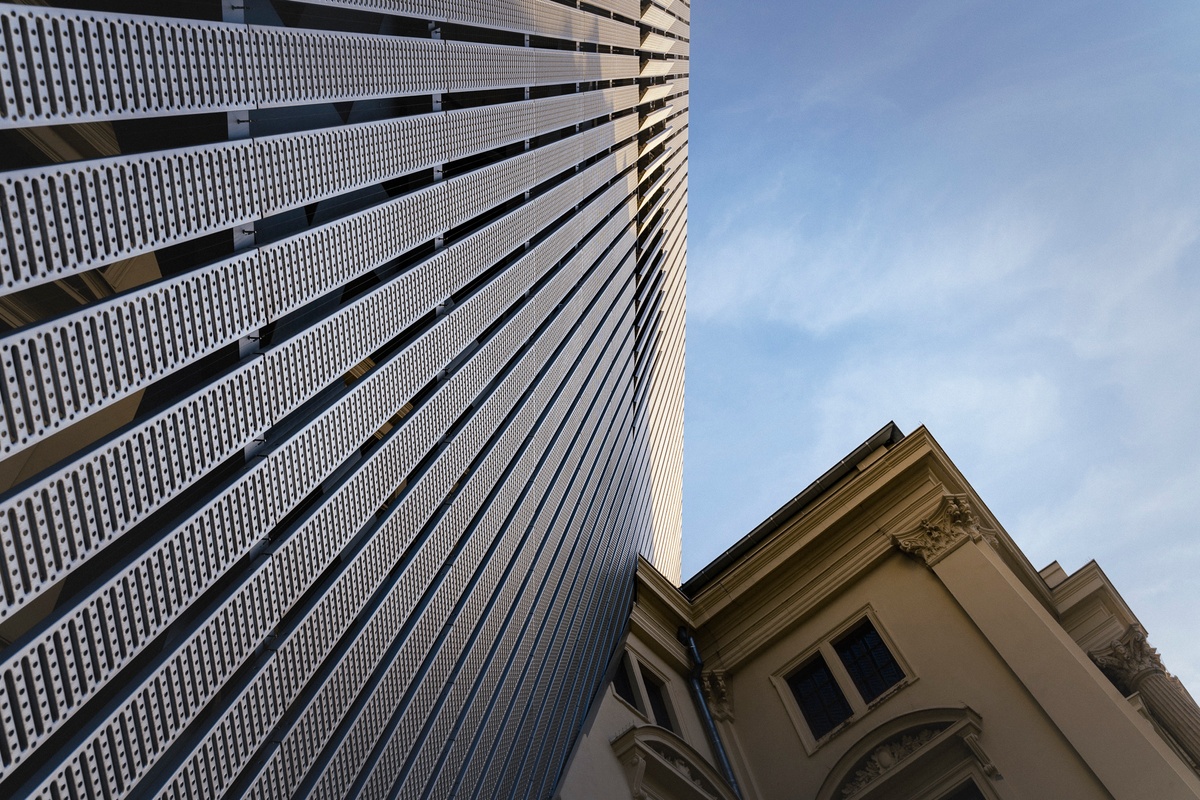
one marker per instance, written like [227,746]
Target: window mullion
[842,676]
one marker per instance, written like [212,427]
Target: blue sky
[982,217]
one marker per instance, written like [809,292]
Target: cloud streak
[980,219]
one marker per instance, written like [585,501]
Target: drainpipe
[710,727]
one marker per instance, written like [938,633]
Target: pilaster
[1125,755]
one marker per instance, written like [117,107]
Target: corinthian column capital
[1129,657]
[939,534]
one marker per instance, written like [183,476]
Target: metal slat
[228,414]
[219,186]
[390,538]
[132,66]
[541,17]
[357,742]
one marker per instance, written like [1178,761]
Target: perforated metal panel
[346,443]
[156,460]
[542,17]
[71,219]
[73,66]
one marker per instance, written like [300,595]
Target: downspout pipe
[710,727]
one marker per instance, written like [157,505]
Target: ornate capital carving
[716,693]
[1129,657]
[936,536]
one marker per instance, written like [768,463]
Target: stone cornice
[953,524]
[659,611]
[903,461]
[1084,582]
[745,630]
[829,544]
[1091,609]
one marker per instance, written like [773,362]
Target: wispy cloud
[983,222]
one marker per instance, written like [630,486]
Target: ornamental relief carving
[886,757]
[941,533]
[658,764]
[716,693]
[685,768]
[1129,657]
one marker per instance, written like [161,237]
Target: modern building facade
[342,365]
[882,637]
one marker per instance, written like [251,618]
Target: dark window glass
[868,661]
[820,699]
[622,685]
[968,791]
[658,703]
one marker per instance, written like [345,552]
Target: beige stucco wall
[979,633]
[595,773]
[952,665]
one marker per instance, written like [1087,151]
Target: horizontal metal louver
[329,432]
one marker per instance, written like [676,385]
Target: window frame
[953,779]
[824,646]
[637,668]
[626,666]
[664,692]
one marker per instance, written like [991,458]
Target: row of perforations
[276,583]
[61,370]
[660,19]
[374,631]
[67,219]
[575,522]
[52,525]
[74,66]
[353,748]
[182,565]
[541,17]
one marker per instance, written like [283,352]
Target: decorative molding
[715,683]
[659,764]
[886,757]
[940,534]
[912,744]
[684,767]
[971,740]
[637,773]
[1129,657]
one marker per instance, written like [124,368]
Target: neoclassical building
[881,636]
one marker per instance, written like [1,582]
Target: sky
[981,217]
